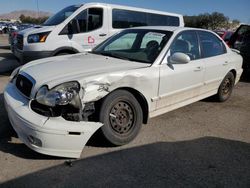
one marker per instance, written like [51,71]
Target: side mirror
[179,58]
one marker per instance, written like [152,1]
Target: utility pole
[37,5]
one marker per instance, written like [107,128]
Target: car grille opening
[19,43]
[24,85]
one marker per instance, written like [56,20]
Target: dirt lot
[206,144]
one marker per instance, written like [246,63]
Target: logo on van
[91,40]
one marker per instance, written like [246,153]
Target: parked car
[13,33]
[80,28]
[56,104]
[240,40]
[225,35]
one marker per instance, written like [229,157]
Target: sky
[234,9]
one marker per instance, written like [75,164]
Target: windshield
[61,15]
[141,45]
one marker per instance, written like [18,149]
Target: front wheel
[226,88]
[121,115]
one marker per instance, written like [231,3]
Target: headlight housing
[60,95]
[38,37]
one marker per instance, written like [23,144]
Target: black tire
[122,117]
[226,88]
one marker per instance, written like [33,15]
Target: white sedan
[56,104]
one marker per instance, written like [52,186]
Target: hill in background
[16,14]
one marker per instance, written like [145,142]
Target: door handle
[197,69]
[103,35]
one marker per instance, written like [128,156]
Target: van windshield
[61,15]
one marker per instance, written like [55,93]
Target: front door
[89,28]
[181,82]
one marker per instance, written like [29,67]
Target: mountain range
[16,14]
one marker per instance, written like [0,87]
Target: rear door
[215,57]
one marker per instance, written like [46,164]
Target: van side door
[88,28]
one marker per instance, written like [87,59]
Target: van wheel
[226,88]
[121,115]
[62,53]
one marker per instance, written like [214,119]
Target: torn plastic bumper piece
[51,136]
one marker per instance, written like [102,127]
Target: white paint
[164,86]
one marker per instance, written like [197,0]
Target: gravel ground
[205,144]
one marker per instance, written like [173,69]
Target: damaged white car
[56,104]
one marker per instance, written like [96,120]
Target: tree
[22,18]
[211,21]
[28,19]
[217,21]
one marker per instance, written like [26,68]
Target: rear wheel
[226,88]
[121,115]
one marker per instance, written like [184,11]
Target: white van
[79,28]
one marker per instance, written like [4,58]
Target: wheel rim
[122,117]
[226,87]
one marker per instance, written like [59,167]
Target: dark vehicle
[240,40]
[13,32]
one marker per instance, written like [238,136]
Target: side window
[211,45]
[80,22]
[187,43]
[124,43]
[88,20]
[127,18]
[95,18]
[164,20]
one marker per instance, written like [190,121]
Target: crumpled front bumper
[51,136]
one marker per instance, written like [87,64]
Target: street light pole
[37,5]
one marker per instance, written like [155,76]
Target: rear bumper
[51,136]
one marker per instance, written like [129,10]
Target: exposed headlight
[60,95]
[14,73]
[38,37]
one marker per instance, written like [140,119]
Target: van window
[157,19]
[88,20]
[128,18]
[61,15]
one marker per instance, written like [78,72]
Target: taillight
[14,34]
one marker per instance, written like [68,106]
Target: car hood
[56,70]
[35,29]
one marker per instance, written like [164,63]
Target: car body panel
[58,136]
[163,85]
